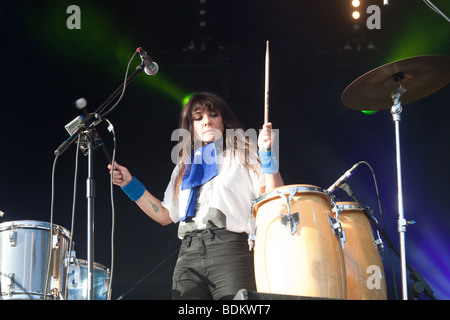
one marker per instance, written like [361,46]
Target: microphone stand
[420,285]
[87,129]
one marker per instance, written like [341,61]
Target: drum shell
[364,266]
[307,263]
[77,281]
[24,256]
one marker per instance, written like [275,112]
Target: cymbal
[421,76]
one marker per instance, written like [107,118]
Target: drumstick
[266,85]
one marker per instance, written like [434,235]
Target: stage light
[355,15]
[186,99]
[369,112]
[355,3]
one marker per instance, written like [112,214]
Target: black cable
[75,180]
[113,214]
[50,238]
[384,224]
[123,89]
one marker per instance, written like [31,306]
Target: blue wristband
[134,189]
[269,162]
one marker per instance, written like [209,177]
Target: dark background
[45,67]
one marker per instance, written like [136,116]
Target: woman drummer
[218,174]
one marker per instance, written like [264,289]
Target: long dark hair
[206,101]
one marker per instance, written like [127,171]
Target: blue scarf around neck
[202,169]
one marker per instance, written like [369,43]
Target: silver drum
[24,259]
[78,278]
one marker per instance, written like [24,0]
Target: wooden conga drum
[302,255]
[364,267]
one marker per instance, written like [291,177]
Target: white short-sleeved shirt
[225,200]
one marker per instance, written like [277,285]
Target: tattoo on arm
[155,207]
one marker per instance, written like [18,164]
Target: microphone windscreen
[81,103]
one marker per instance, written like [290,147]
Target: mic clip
[89,137]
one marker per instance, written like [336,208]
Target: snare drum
[78,277]
[297,251]
[364,267]
[24,256]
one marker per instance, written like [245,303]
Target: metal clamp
[290,221]
[339,232]
[378,242]
[336,225]
[11,284]
[251,237]
[13,236]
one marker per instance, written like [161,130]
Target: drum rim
[300,187]
[349,205]
[32,224]
[97,265]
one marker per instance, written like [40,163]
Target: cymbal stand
[396,111]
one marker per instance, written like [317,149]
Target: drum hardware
[12,236]
[75,275]
[379,242]
[334,222]
[338,231]
[11,284]
[290,221]
[251,236]
[410,79]
[69,259]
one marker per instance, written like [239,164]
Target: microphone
[151,67]
[344,177]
